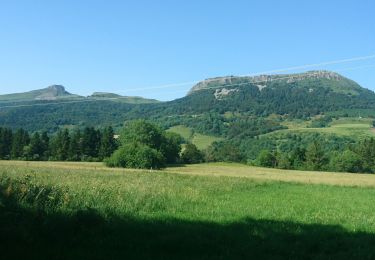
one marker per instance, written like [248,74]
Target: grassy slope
[113,212]
[351,127]
[200,140]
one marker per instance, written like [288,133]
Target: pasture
[351,127]
[64,210]
[200,140]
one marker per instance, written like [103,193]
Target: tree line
[89,144]
[145,145]
[357,158]
[140,145]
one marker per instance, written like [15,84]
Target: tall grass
[49,211]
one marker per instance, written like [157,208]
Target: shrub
[135,155]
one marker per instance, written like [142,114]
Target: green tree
[35,150]
[143,132]
[90,143]
[144,145]
[45,145]
[191,154]
[60,145]
[283,161]
[6,136]
[171,147]
[315,157]
[298,157]
[136,155]
[75,147]
[347,161]
[366,151]
[21,139]
[266,158]
[108,143]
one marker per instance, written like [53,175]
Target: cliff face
[52,93]
[261,81]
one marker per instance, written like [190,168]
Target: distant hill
[125,99]
[209,107]
[58,93]
[53,92]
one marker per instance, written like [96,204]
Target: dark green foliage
[107,143]
[297,157]
[136,155]
[37,149]
[191,154]
[223,152]
[60,145]
[171,147]
[366,150]
[75,147]
[321,122]
[266,159]
[347,161]
[315,156]
[21,139]
[6,137]
[284,161]
[144,145]
[141,131]
[90,143]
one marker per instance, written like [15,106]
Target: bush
[145,146]
[135,155]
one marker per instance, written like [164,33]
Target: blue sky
[127,46]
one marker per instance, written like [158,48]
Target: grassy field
[200,140]
[209,211]
[351,127]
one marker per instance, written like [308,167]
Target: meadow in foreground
[84,210]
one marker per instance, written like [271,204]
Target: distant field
[352,127]
[200,140]
[208,211]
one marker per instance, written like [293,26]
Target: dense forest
[88,145]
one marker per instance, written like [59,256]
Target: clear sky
[122,46]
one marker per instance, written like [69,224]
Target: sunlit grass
[203,199]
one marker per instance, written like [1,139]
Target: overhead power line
[301,67]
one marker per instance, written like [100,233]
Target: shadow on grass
[33,234]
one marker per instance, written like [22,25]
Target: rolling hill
[53,92]
[211,102]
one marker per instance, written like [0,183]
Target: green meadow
[200,140]
[62,210]
[351,127]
